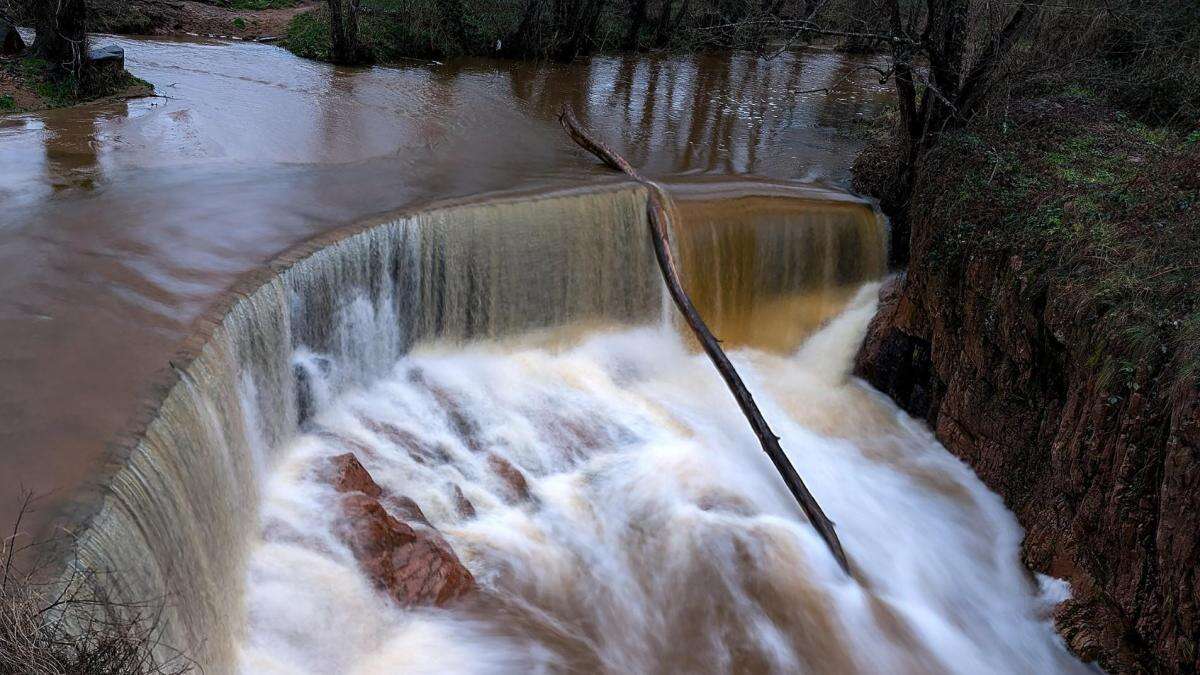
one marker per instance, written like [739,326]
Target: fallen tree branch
[657,216]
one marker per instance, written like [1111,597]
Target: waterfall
[178,507]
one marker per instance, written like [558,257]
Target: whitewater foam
[658,537]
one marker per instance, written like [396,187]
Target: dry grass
[51,624]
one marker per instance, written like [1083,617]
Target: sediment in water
[174,509]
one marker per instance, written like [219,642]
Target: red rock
[465,508]
[419,450]
[518,486]
[414,565]
[346,474]
[466,427]
[1103,472]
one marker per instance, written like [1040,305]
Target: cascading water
[656,538]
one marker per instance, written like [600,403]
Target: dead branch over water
[657,216]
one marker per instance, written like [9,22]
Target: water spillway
[655,538]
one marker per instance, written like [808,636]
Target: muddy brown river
[211,297]
[121,222]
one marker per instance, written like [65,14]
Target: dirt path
[169,17]
[203,19]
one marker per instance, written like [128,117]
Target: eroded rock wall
[1102,471]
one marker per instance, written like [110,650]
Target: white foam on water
[659,537]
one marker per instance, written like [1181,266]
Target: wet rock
[465,508]
[346,474]
[511,475]
[1104,474]
[109,58]
[725,502]
[346,442]
[576,435]
[413,565]
[407,510]
[466,428]
[421,451]
[11,43]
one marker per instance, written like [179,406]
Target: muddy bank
[1046,329]
[187,17]
[25,88]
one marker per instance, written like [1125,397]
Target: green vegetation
[36,76]
[396,29]
[120,16]
[1100,212]
[239,23]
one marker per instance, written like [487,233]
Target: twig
[659,223]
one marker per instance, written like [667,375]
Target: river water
[526,322]
[120,222]
[658,537]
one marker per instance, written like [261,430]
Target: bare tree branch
[659,225]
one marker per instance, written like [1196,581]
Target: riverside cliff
[1047,329]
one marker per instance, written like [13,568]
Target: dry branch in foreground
[52,623]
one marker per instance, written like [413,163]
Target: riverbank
[236,19]
[1048,330]
[25,86]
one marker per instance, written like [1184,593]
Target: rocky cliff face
[1092,441]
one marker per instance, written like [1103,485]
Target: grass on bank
[1099,208]
[28,84]
[396,29]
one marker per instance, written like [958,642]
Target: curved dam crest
[174,517]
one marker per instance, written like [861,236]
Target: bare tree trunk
[637,17]
[578,20]
[521,42]
[952,92]
[662,30]
[352,46]
[657,217]
[339,45]
[61,35]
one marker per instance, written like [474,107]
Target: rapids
[659,538]
[175,388]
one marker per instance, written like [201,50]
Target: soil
[212,21]
[20,93]
[188,17]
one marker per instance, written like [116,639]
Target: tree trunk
[352,46]
[637,17]
[662,33]
[452,11]
[339,45]
[578,20]
[61,35]
[521,42]
[952,93]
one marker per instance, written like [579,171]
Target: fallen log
[658,218]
